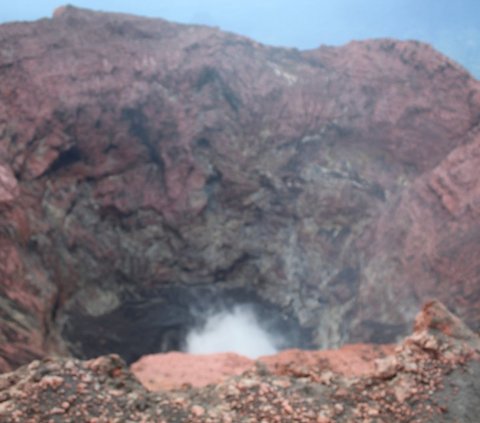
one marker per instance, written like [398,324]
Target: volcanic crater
[149,170]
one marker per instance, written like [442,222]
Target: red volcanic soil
[432,376]
[175,369]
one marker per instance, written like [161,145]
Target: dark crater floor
[160,321]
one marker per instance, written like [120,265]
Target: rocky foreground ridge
[433,376]
[142,162]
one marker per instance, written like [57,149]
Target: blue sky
[452,26]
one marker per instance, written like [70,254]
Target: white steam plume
[236,331]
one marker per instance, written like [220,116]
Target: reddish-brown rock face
[137,155]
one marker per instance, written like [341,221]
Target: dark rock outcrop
[434,376]
[137,155]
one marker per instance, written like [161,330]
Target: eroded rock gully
[139,156]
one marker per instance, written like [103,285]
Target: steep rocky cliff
[143,161]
